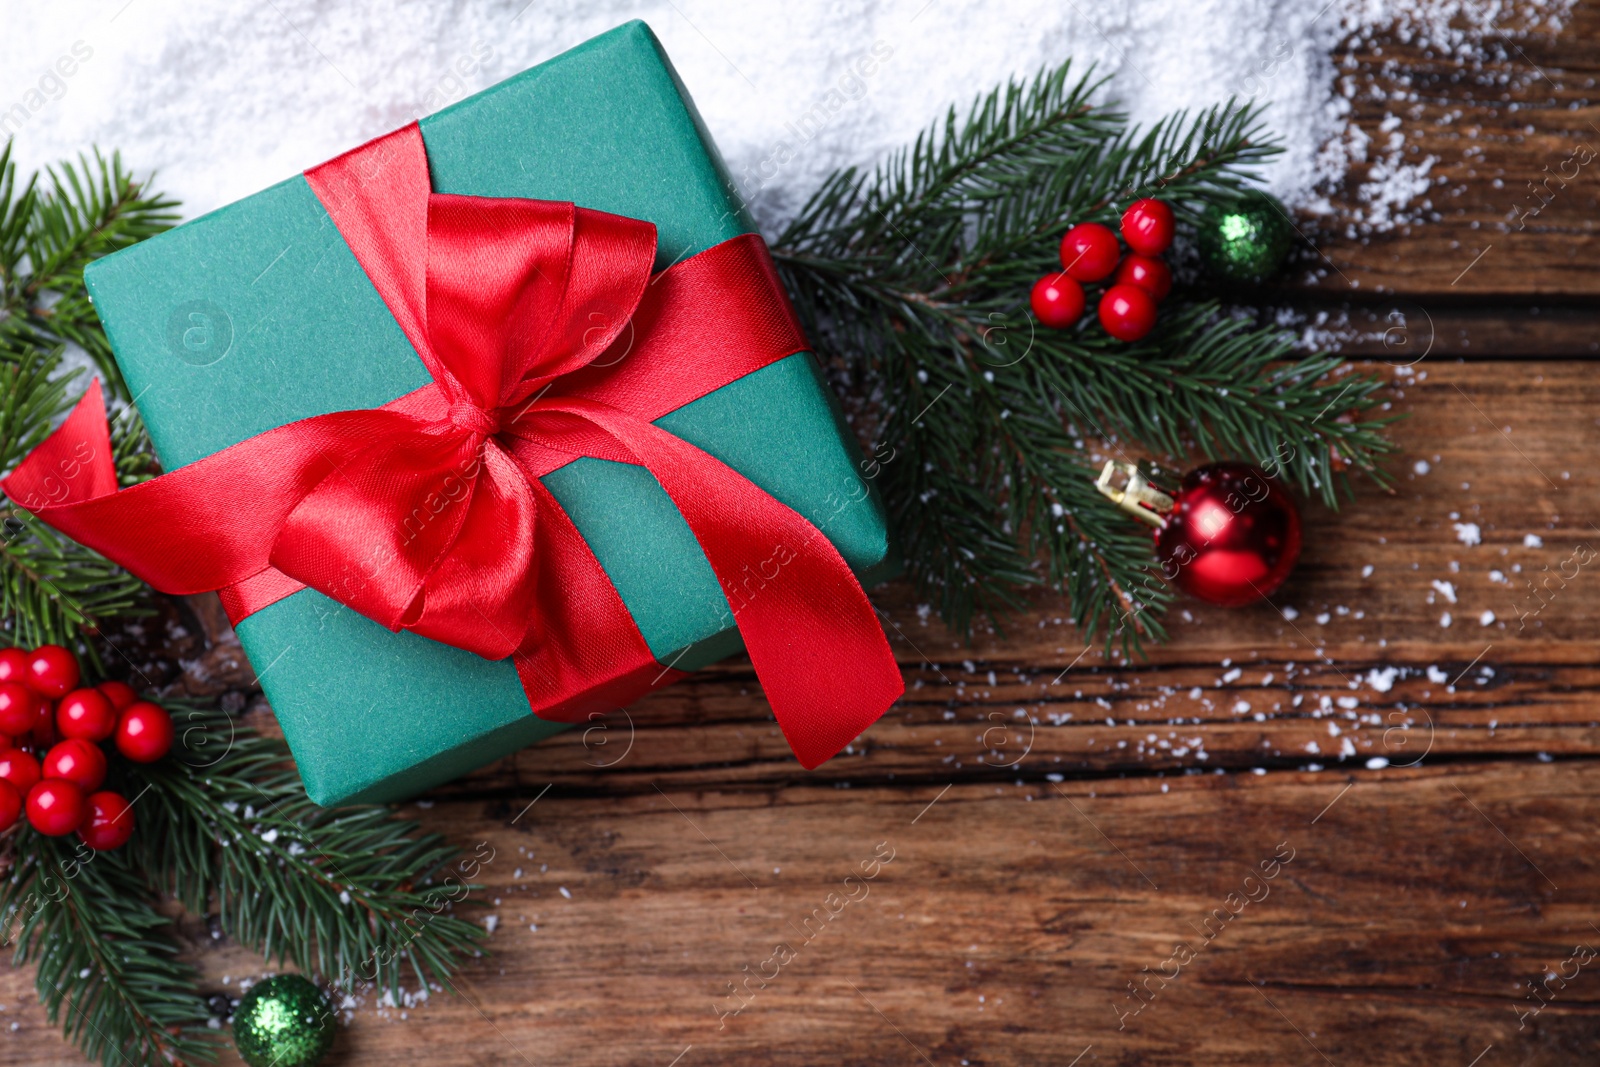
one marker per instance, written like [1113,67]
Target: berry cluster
[42,709]
[1090,252]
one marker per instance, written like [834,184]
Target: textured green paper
[258,314]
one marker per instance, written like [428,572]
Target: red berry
[1089,252]
[19,707]
[1147,273]
[13,665]
[77,761]
[56,807]
[1057,300]
[1127,312]
[19,768]
[86,713]
[108,821]
[44,725]
[52,671]
[120,694]
[145,733]
[1147,227]
[10,805]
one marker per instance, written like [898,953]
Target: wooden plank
[1404,332]
[1406,912]
[1513,113]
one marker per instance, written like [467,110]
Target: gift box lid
[258,314]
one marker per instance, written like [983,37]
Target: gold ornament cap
[1136,496]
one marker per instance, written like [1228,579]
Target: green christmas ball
[283,1022]
[1245,239]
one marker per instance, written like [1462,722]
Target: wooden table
[1199,858]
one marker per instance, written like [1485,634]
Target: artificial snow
[223,99]
[1381,679]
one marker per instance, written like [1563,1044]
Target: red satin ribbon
[548,339]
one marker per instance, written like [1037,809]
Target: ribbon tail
[810,630]
[584,654]
[74,463]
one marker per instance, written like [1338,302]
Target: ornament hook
[1137,496]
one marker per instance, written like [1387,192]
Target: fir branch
[357,894]
[105,959]
[348,893]
[913,281]
[49,232]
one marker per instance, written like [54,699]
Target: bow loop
[520,292]
[610,268]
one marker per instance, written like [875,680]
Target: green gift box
[258,314]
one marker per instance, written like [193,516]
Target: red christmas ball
[1233,536]
[56,807]
[1149,274]
[13,665]
[1127,312]
[86,713]
[1147,227]
[20,769]
[1057,300]
[19,707]
[145,733]
[78,762]
[10,805]
[108,822]
[1089,252]
[120,694]
[52,671]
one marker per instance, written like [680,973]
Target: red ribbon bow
[547,339]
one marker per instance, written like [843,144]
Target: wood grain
[1010,920]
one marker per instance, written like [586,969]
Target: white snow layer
[224,98]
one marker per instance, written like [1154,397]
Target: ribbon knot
[473,419]
[510,304]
